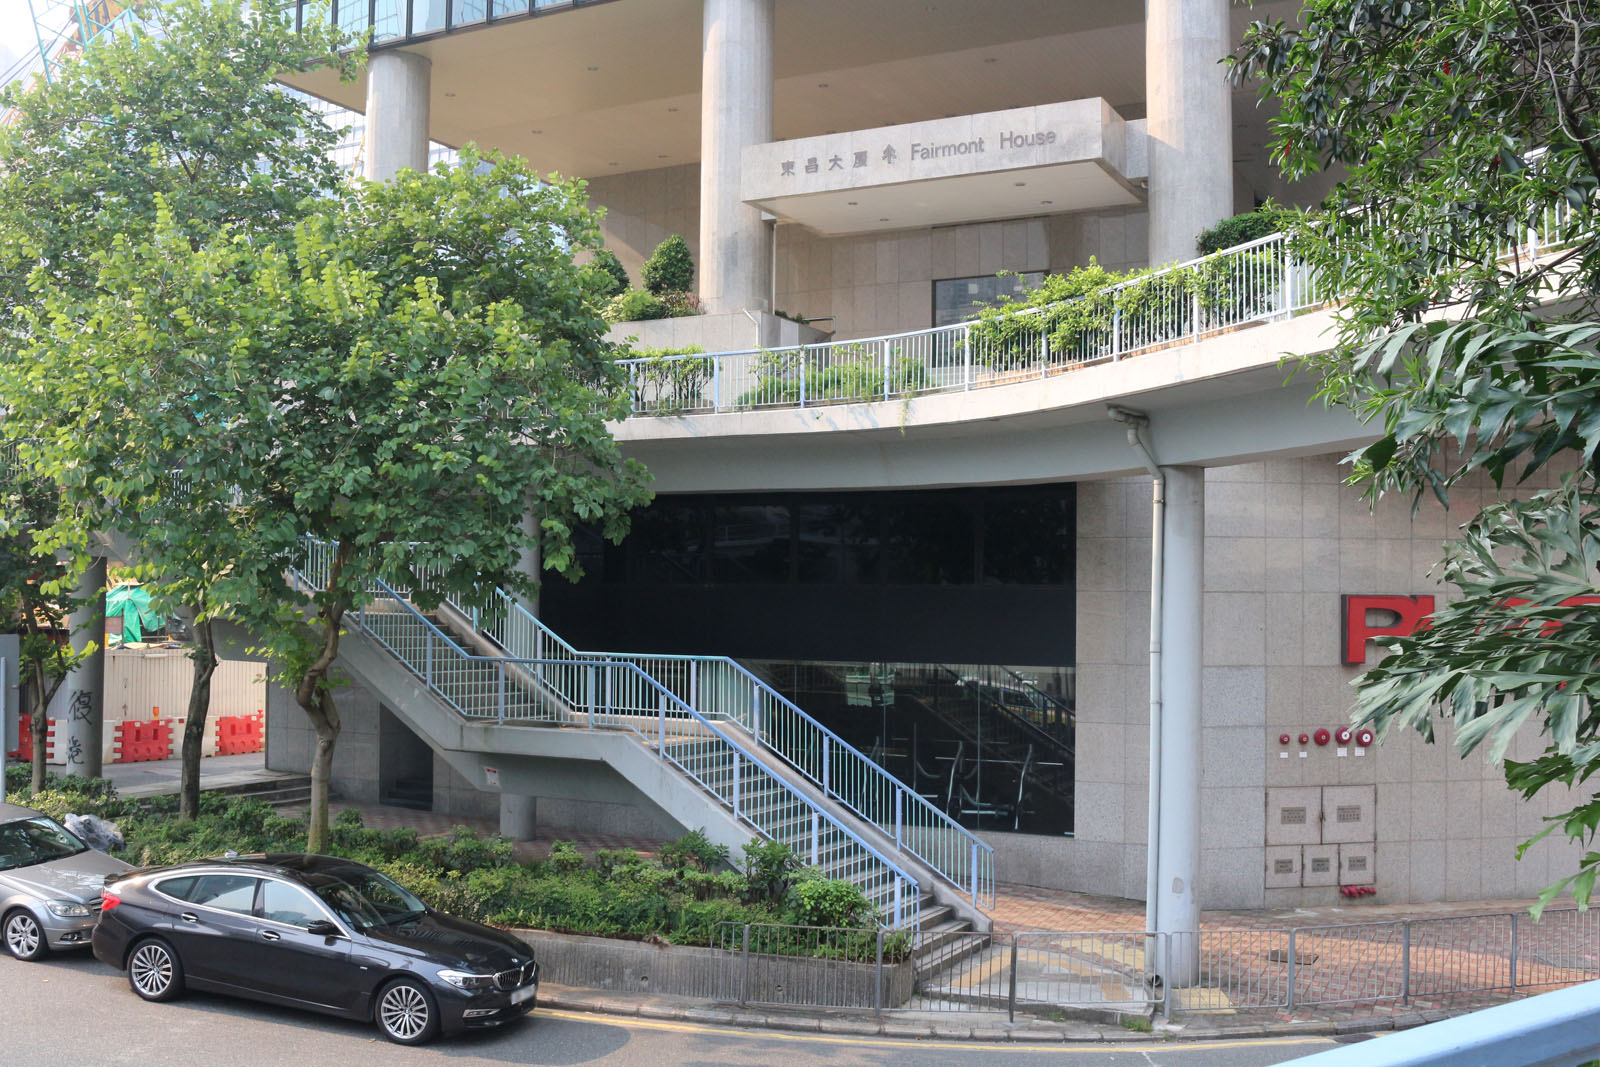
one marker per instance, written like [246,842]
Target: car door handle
[271,935]
[189,917]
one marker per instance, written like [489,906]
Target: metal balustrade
[597,692]
[1254,282]
[401,20]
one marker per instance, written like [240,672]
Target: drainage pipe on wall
[1133,422]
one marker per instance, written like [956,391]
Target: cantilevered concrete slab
[1070,156]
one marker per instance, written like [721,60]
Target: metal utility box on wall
[1319,865]
[1293,816]
[1356,864]
[1283,866]
[1347,814]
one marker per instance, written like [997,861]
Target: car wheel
[406,1013]
[154,971]
[24,936]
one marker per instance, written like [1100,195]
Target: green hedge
[678,896]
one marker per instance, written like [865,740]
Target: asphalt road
[72,1011]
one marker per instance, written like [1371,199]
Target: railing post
[716,385]
[966,358]
[899,806]
[1011,985]
[804,370]
[825,764]
[744,982]
[734,788]
[1405,962]
[661,727]
[694,683]
[755,709]
[815,836]
[974,873]
[1289,1005]
[1116,333]
[885,344]
[590,673]
[501,697]
[1194,311]
[427,658]
[1513,952]
[899,916]
[1288,280]
[877,999]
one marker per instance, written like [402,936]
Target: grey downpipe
[1133,422]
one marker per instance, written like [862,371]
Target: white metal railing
[1253,282]
[722,689]
[718,688]
[602,693]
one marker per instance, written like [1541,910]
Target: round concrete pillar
[1178,855]
[1190,123]
[397,114]
[518,817]
[79,706]
[735,111]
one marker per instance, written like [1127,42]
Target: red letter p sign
[1411,612]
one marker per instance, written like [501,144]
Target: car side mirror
[323,928]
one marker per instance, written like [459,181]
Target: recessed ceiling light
[1047,201]
[883,218]
[535,131]
[822,85]
[1019,185]
[661,155]
[449,94]
[593,69]
[612,163]
[988,59]
[852,203]
[672,109]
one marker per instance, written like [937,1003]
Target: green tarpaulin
[132,603]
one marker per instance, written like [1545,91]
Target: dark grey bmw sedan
[313,932]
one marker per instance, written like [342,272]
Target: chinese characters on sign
[919,150]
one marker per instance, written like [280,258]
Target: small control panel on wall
[1343,740]
[1321,836]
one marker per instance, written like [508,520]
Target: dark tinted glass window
[668,543]
[955,299]
[929,539]
[750,543]
[284,903]
[1027,539]
[227,892]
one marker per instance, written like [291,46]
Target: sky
[16,32]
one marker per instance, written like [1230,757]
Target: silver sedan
[49,884]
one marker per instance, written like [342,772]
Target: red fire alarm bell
[1364,738]
[1322,737]
[1343,736]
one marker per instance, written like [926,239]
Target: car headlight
[472,983]
[68,909]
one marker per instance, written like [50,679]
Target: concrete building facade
[871,169]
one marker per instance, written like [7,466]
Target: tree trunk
[194,728]
[39,729]
[325,720]
[316,700]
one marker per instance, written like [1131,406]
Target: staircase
[707,725]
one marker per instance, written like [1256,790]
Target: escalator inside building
[884,615]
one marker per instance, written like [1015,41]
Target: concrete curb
[929,1026]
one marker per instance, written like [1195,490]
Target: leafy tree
[34,596]
[176,125]
[670,268]
[611,277]
[1464,239]
[421,367]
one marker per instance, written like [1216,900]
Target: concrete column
[528,564]
[518,817]
[1190,123]
[735,111]
[1178,856]
[79,706]
[397,114]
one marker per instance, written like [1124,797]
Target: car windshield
[365,899]
[39,839]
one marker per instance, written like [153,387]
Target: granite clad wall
[1284,539]
[875,283]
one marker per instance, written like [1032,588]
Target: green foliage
[770,869]
[635,305]
[669,383]
[854,374]
[609,276]
[693,849]
[1459,127]
[670,268]
[1137,1023]
[1242,229]
[564,857]
[825,902]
